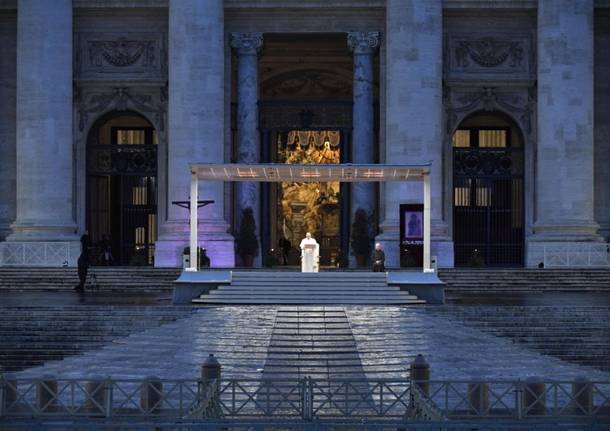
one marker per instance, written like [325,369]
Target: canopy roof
[279,172]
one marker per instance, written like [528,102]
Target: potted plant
[246,242]
[360,238]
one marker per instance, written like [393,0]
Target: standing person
[378,259]
[310,254]
[84,242]
[83,262]
[285,247]
[83,268]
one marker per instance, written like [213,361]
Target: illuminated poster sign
[411,235]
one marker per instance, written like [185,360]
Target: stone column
[196,129]
[565,175]
[44,221]
[414,65]
[247,46]
[363,45]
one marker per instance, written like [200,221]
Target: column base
[557,254]
[42,231]
[566,231]
[39,253]
[219,245]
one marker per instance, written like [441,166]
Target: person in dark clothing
[285,247]
[83,268]
[378,259]
[83,262]
[84,242]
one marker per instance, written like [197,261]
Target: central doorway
[307,207]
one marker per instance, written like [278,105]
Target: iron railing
[304,399]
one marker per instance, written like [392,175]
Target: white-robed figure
[310,254]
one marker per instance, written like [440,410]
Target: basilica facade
[104,104]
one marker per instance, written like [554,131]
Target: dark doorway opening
[488,192]
[122,189]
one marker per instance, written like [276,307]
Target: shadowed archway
[122,188]
[488,191]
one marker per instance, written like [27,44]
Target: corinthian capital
[247,43]
[363,42]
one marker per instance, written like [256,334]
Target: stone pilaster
[8,104]
[44,217]
[564,174]
[247,46]
[363,45]
[195,129]
[414,47]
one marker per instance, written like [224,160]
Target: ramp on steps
[322,288]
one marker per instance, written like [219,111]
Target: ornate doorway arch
[488,191]
[121,187]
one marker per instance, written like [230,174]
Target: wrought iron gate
[122,195]
[487,198]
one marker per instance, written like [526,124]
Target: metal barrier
[302,399]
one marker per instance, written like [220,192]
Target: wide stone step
[309,288]
[309,301]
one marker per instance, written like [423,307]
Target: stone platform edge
[424,285]
[191,285]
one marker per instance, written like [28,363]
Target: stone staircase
[470,280]
[337,288]
[459,280]
[106,278]
[33,335]
[577,334]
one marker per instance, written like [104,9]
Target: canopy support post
[193,216]
[427,224]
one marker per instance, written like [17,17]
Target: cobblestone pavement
[338,341]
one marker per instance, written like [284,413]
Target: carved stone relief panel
[91,102]
[307,84]
[305,115]
[120,56]
[482,56]
[518,102]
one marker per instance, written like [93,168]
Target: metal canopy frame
[280,172]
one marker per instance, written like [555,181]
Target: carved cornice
[247,43]
[361,42]
[120,99]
